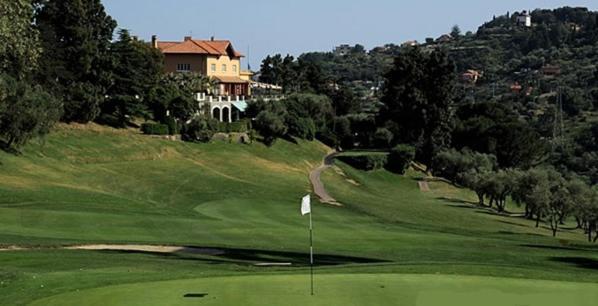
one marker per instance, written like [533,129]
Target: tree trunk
[11,140]
[579,223]
[537,220]
[554,225]
[480,198]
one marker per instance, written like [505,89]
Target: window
[183,67]
[213,68]
[223,67]
[234,68]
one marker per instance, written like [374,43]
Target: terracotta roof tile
[209,47]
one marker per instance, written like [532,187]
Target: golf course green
[388,244]
[337,289]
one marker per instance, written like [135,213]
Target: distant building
[471,76]
[342,50]
[551,70]
[444,38]
[524,19]
[516,88]
[216,59]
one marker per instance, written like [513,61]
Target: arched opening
[225,114]
[216,113]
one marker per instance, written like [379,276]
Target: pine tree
[76,37]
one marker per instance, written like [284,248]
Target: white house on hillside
[525,19]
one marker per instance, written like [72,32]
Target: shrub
[154,129]
[400,157]
[383,138]
[233,127]
[365,162]
[25,112]
[173,126]
[271,126]
[304,128]
[200,129]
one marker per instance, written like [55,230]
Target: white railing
[202,97]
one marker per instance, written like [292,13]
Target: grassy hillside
[88,184]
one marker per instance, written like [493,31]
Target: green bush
[200,129]
[271,126]
[304,128]
[383,138]
[173,126]
[365,162]
[233,127]
[154,129]
[399,158]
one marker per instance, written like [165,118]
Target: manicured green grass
[97,185]
[337,289]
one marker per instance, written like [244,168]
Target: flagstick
[311,254]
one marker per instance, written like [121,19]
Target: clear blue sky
[295,26]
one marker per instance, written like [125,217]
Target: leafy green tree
[590,217]
[317,108]
[344,101]
[499,186]
[76,37]
[342,130]
[559,206]
[25,112]
[468,168]
[496,129]
[456,31]
[418,98]
[288,74]
[271,126]
[174,94]
[200,129]
[400,158]
[20,48]
[383,138]
[267,71]
[137,69]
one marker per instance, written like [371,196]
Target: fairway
[388,244]
[337,289]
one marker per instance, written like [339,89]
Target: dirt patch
[423,186]
[11,248]
[353,182]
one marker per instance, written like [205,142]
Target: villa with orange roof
[217,59]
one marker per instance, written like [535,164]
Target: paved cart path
[316,182]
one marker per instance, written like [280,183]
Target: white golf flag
[306,205]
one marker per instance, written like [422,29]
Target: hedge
[154,129]
[233,127]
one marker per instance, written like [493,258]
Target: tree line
[59,62]
[546,195]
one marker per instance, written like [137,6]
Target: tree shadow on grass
[560,248]
[463,203]
[519,234]
[254,256]
[581,262]
[9,149]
